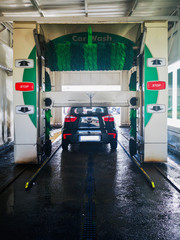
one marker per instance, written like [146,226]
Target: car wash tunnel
[90,120]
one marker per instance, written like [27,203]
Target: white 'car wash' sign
[24,109]
[24,63]
[156,108]
[156,62]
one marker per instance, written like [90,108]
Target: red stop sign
[156,85]
[24,86]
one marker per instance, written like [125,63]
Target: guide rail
[6,185]
[34,176]
[148,178]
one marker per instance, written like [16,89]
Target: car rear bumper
[79,138]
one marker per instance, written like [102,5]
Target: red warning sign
[24,86]
[156,85]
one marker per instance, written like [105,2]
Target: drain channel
[89,226]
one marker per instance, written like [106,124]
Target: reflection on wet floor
[126,207]
[90,147]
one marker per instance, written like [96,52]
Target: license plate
[89,138]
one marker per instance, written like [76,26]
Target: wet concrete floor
[124,205]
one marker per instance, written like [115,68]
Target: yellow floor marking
[55,135]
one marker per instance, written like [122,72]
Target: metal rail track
[148,178]
[165,176]
[34,176]
[6,185]
[168,178]
[29,183]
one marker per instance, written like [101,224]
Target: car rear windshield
[88,110]
[89,122]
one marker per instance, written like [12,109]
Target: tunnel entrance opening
[91,58]
[105,88]
[67,55]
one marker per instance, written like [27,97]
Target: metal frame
[2,67]
[70,99]
[35,3]
[134,5]
[89,20]
[8,26]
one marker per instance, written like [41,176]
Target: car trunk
[89,129]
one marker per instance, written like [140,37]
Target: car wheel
[65,146]
[132,147]
[113,145]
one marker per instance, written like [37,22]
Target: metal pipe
[36,39]
[3,111]
[7,26]
[2,67]
[35,3]
[2,29]
[133,8]
[141,64]
[143,41]
[39,63]
[34,176]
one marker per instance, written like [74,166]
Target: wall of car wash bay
[174,88]
[6,86]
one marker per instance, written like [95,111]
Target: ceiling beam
[36,5]
[89,20]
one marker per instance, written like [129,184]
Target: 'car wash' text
[95,38]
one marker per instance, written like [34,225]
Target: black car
[89,124]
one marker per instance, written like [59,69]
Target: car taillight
[66,134]
[70,118]
[113,134]
[108,118]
